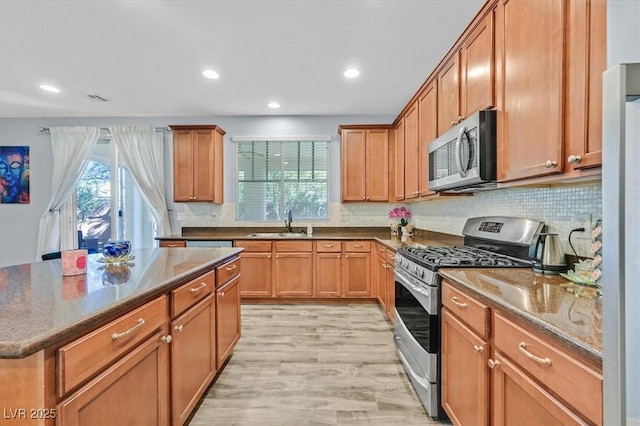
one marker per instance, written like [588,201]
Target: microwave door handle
[461,170]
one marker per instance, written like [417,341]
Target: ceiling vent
[97,98]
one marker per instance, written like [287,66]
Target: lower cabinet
[227,319]
[328,269]
[257,262]
[385,279]
[465,376]
[494,371]
[294,274]
[133,391]
[193,357]
[356,272]
[391,285]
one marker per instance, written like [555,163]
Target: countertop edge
[544,327]
[23,349]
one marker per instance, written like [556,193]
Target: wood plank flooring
[313,365]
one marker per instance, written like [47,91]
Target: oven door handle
[461,169]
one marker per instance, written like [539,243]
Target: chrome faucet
[288,221]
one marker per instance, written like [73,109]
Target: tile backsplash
[560,207]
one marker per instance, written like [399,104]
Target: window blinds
[275,176]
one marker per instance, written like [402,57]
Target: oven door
[417,307]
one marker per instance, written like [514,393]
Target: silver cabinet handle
[358,245]
[328,245]
[179,328]
[550,164]
[172,245]
[478,349]
[392,256]
[231,268]
[544,361]
[574,159]
[493,364]
[462,305]
[167,339]
[200,287]
[116,336]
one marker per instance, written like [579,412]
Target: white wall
[623,31]
[19,223]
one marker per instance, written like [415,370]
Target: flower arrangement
[400,213]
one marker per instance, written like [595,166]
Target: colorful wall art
[14,175]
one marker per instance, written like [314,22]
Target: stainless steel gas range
[489,242]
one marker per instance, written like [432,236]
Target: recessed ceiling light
[273,105]
[351,73]
[49,88]
[211,74]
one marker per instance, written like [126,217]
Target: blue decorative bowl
[116,248]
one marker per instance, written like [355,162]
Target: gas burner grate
[434,257]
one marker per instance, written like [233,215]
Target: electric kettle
[547,254]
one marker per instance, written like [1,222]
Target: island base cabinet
[193,358]
[465,376]
[134,391]
[227,319]
[518,400]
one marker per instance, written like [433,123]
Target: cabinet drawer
[172,243]
[568,378]
[227,271]
[83,358]
[472,312]
[255,246]
[185,296]
[294,246]
[328,247]
[357,246]
[382,250]
[391,257]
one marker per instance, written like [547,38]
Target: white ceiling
[146,57]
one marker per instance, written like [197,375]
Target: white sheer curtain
[143,156]
[71,149]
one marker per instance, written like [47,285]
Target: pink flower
[400,213]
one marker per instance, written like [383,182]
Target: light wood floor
[313,364]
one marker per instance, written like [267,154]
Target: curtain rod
[104,129]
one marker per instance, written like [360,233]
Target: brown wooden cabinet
[328,269]
[109,399]
[256,280]
[193,357]
[227,319]
[364,163]
[465,376]
[411,153]
[198,163]
[497,371]
[448,79]
[587,55]
[384,279]
[398,165]
[427,133]
[293,268]
[391,285]
[172,243]
[356,272]
[477,68]
[530,76]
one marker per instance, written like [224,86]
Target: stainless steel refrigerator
[621,244]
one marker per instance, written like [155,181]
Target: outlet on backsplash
[583,221]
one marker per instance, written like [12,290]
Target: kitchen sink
[277,235]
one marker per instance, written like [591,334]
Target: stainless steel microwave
[464,158]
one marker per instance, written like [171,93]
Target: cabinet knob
[549,164]
[478,349]
[179,328]
[453,123]
[574,159]
[493,364]
[222,294]
[338,256]
[166,339]
[460,119]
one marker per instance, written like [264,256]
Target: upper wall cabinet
[427,132]
[530,70]
[198,163]
[587,61]
[411,153]
[364,163]
[466,81]
[398,151]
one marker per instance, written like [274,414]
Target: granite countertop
[541,301]
[39,307]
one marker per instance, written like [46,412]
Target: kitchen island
[69,345]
